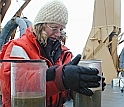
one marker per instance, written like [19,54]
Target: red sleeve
[58,79]
[5,77]
[54,87]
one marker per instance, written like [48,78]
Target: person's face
[54,31]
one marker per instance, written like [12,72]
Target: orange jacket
[54,89]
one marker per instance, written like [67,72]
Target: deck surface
[111,97]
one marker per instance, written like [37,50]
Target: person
[42,41]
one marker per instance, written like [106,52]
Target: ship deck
[111,97]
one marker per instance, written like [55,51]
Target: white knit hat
[52,12]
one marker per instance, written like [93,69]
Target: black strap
[59,102]
[65,57]
[50,101]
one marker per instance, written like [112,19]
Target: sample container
[81,100]
[28,83]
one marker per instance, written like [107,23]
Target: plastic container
[28,83]
[115,82]
[81,100]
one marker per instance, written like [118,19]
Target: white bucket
[116,82]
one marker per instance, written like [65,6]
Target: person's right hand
[79,78]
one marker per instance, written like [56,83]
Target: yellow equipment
[103,41]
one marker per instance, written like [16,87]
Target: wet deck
[111,97]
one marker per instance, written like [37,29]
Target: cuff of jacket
[58,79]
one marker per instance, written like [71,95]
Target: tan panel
[107,64]
[106,19]
[114,51]
[107,12]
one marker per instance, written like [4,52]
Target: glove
[103,83]
[50,73]
[80,79]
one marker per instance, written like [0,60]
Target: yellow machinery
[103,41]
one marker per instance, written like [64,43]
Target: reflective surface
[111,97]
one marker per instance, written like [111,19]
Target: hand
[80,79]
[103,83]
[50,73]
